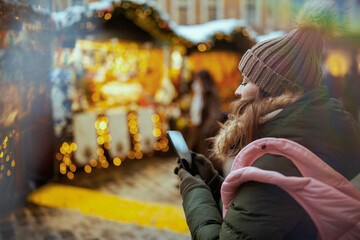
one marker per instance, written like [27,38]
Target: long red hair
[245,117]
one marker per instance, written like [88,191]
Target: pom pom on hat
[320,16]
[292,62]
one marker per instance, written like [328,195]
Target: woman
[281,96]
[205,112]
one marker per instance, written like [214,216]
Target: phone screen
[180,145]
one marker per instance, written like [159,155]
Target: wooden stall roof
[129,20]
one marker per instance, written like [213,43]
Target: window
[251,12]
[182,15]
[212,10]
[183,8]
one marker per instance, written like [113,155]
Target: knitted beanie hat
[291,62]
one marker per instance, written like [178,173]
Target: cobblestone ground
[150,179]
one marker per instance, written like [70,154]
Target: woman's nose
[238,92]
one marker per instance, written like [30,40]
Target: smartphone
[178,142]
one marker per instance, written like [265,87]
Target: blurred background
[89,88]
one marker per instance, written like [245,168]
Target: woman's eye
[243,83]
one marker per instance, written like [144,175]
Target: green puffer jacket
[264,211]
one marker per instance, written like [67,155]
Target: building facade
[264,16]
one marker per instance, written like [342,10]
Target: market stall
[26,136]
[113,84]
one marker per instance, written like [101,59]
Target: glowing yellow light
[338,64]
[87,169]
[58,156]
[137,147]
[103,125]
[117,161]
[72,168]
[62,150]
[100,140]
[107,16]
[157,132]
[219,36]
[73,147]
[138,155]
[8,173]
[107,145]
[157,146]
[100,151]
[137,137]
[1,154]
[66,160]
[100,132]
[201,47]
[131,155]
[131,116]
[97,124]
[13,163]
[93,162]
[65,145]
[155,118]
[165,149]
[105,164]
[62,168]
[106,138]
[132,123]
[5,140]
[2,167]
[69,150]
[7,158]
[133,130]
[70,175]
[102,159]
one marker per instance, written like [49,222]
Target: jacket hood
[319,123]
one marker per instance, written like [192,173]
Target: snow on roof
[69,16]
[73,14]
[202,32]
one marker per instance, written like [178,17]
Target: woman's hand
[187,180]
[204,166]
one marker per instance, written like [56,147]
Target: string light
[65,155]
[107,16]
[201,47]
[104,141]
[136,137]
[159,132]
[70,175]
[87,169]
[6,156]
[117,161]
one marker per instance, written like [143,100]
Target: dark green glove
[204,167]
[187,180]
[208,174]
